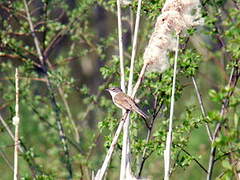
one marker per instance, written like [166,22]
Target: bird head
[114,90]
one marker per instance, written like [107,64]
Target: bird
[122,100]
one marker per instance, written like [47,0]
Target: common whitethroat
[122,100]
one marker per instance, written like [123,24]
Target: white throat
[113,94]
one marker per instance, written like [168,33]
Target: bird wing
[124,101]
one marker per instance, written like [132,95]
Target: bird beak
[107,89]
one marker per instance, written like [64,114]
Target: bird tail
[141,113]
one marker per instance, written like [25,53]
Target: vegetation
[66,53]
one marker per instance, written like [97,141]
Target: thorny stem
[52,96]
[167,151]
[202,107]
[232,84]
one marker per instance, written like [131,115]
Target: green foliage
[79,43]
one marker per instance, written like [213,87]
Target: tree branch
[125,161]
[198,163]
[143,160]
[120,45]
[167,151]
[231,84]
[102,171]
[202,108]
[16,120]
[52,96]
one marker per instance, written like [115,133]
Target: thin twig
[102,171]
[61,132]
[120,44]
[134,47]
[36,41]
[60,90]
[6,160]
[7,128]
[52,96]
[16,120]
[125,161]
[148,138]
[25,78]
[220,175]
[167,151]
[232,84]
[69,139]
[22,148]
[202,107]
[139,81]
[198,163]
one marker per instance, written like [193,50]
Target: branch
[139,81]
[143,160]
[134,48]
[200,165]
[232,84]
[55,107]
[167,151]
[6,160]
[69,113]
[120,42]
[69,139]
[22,148]
[125,161]
[16,120]
[202,108]
[101,172]
[36,41]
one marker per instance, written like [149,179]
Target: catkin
[177,16]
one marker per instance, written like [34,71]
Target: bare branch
[7,128]
[120,42]
[52,96]
[198,163]
[102,171]
[36,41]
[167,151]
[6,160]
[139,81]
[16,120]
[125,161]
[134,48]
[22,147]
[202,107]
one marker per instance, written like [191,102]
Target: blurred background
[79,44]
